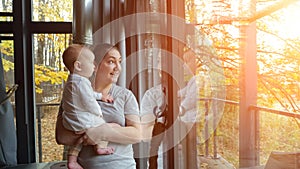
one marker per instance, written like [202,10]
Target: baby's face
[87,65]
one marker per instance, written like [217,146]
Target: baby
[79,101]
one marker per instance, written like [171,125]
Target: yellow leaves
[53,10]
[64,75]
[7,48]
[38,90]
[7,65]
[40,77]
[58,77]
[41,74]
[47,74]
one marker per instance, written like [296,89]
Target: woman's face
[110,67]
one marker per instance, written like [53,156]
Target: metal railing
[274,111]
[252,108]
[39,126]
[215,145]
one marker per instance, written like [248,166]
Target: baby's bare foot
[74,165]
[105,151]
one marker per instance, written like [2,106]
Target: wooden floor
[214,163]
[257,167]
[219,163]
[52,165]
[277,160]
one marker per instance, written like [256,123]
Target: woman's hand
[96,134]
[114,133]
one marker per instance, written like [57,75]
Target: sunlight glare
[290,27]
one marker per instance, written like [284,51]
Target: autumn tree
[277,56]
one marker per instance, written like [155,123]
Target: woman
[123,111]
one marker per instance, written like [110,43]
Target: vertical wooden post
[248,96]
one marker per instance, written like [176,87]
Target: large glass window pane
[6,6]
[277,83]
[52,10]
[49,78]
[6,10]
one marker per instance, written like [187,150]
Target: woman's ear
[77,66]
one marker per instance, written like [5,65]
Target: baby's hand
[107,98]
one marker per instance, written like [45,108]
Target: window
[49,79]
[52,10]
[6,6]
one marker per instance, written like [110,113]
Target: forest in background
[278,57]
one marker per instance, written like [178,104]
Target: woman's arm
[147,124]
[129,134]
